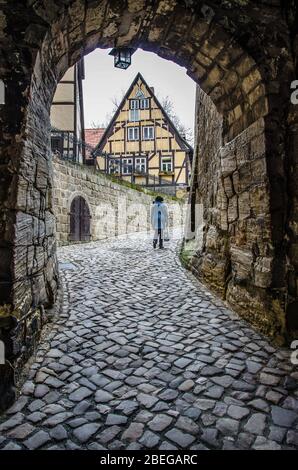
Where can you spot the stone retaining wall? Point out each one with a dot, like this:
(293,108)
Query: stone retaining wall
(114,208)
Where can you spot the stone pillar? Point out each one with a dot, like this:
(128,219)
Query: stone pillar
(28,267)
(239,255)
(292,224)
(11,116)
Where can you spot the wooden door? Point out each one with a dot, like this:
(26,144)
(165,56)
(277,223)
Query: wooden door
(79,220)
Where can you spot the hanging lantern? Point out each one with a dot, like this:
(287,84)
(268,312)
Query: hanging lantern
(122,56)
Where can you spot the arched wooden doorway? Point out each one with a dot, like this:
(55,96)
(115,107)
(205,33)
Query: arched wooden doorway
(79,220)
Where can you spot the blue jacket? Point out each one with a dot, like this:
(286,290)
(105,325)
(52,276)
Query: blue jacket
(159,215)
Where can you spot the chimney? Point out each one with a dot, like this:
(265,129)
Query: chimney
(152,89)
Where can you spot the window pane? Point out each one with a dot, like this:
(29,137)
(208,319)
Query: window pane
(140,165)
(134,115)
(134,104)
(148,132)
(144,104)
(114,166)
(126,165)
(166,164)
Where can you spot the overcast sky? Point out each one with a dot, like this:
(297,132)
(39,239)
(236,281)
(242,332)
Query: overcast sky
(103,82)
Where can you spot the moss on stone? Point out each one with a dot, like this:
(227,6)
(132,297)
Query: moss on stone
(186,253)
(5,311)
(139,188)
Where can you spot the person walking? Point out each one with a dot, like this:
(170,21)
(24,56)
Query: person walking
(159,220)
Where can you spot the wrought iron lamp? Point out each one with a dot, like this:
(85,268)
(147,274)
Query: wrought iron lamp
(122,56)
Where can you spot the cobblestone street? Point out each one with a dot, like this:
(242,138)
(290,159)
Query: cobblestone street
(143,356)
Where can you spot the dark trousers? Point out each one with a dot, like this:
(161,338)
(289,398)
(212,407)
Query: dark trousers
(158,236)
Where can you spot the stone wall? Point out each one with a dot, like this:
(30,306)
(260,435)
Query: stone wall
(234,254)
(114,208)
(229,49)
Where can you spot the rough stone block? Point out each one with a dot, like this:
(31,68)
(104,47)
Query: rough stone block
(244,205)
(242,261)
(250,81)
(228,161)
(233,209)
(228,186)
(263,271)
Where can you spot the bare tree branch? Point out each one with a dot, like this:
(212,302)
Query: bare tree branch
(185,131)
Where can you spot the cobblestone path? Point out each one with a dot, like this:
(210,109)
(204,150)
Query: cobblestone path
(143,356)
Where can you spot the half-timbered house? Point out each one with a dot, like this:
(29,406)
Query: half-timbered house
(67,116)
(142,145)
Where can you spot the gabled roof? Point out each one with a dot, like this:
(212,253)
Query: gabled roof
(92,137)
(108,130)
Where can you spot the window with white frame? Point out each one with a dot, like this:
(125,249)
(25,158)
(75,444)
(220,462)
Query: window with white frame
(127,166)
(144,104)
(134,104)
(148,132)
(114,166)
(132,133)
(167,164)
(140,165)
(134,115)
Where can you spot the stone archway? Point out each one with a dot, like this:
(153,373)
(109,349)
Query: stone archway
(246,73)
